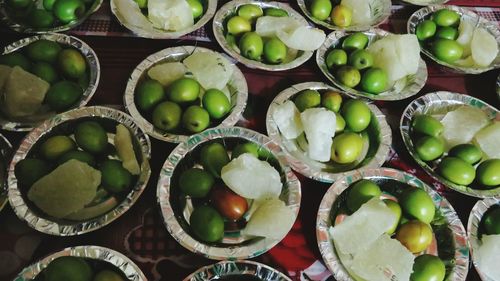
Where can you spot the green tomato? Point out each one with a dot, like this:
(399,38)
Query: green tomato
(374,80)
(456,170)
(425,30)
(428,268)
(415,235)
(447,50)
(429,148)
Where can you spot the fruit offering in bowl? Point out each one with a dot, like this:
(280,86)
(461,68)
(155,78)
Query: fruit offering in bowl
(44,75)
(384,224)
(265,35)
(162,20)
(326,133)
(353,15)
(83,263)
(80,171)
(181,91)
(42,16)
(484,235)
(454,138)
(213,202)
(241,270)
(457,38)
(373,64)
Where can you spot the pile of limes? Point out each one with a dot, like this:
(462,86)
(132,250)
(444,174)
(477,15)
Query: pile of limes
(183,106)
(63,67)
(352,65)
(70,268)
(462,164)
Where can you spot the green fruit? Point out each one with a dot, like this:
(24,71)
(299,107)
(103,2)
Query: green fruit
(467,152)
(196,183)
(360,193)
(275,12)
(19,4)
(321,9)
(429,148)
(275,51)
(207,224)
(29,170)
(184,90)
(195,119)
(232,42)
(341,16)
(72,63)
(108,275)
(68,268)
(48,4)
(148,94)
(447,32)
(416,236)
(361,59)
(247,147)
(348,75)
(238,25)
(43,50)
(447,50)
(45,71)
(374,80)
(68,10)
(216,103)
(416,203)
(16,59)
(213,157)
(340,123)
(427,125)
(251,45)
(115,178)
(336,58)
(63,95)
(346,147)
(331,100)
(250,12)
(196,7)
(491,221)
(307,99)
(41,19)
(456,170)
(55,146)
(357,115)
(396,209)
(91,137)
(81,156)
(488,172)
(426,30)
(355,41)
(428,268)
(143,4)
(445,17)
(167,116)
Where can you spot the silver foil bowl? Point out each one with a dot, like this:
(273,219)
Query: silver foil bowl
(93,66)
(126,266)
(315,170)
(425,2)
(425,13)
(236,268)
(439,103)
(473,226)
(15,25)
(328,208)
(380,10)
(108,117)
(230,8)
(211,6)
(403,88)
(232,246)
(5,153)
(237,85)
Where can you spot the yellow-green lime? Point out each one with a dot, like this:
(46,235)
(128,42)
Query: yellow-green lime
(72,63)
(307,99)
(216,103)
(63,95)
(196,182)
(45,71)
(247,147)
(115,178)
(91,137)
(148,94)
(360,193)
(43,50)
(55,146)
(68,268)
(207,224)
(213,157)
(196,7)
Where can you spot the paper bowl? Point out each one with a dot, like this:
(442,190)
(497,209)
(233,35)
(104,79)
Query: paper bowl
(235,268)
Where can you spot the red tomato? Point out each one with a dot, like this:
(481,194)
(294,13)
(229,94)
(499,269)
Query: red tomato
(229,204)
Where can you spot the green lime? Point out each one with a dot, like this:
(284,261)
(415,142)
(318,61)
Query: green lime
(48,4)
(488,172)
(447,32)
(374,80)
(108,275)
(41,18)
(429,148)
(331,100)
(72,63)
(167,116)
(467,152)
(361,192)
(336,58)
(55,146)
(91,137)
(396,209)
(196,182)
(307,99)
(84,81)
(148,94)
(207,224)
(355,41)
(196,7)
(447,50)
(19,4)
(115,178)
(275,51)
(247,147)
(29,170)
(195,119)
(348,75)
(43,50)
(275,12)
(45,71)
(428,267)
(79,155)
(184,90)
(68,10)
(491,221)
(251,45)
(426,30)
(213,157)
(445,17)
(357,115)
(68,268)
(416,203)
(15,59)
(216,103)
(456,170)
(63,95)
(250,12)
(427,125)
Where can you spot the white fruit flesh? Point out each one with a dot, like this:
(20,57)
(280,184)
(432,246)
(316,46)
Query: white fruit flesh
(171,15)
(268,26)
(211,70)
(461,124)
(125,150)
(361,11)
(488,139)
(287,118)
(319,126)
(465,31)
(167,72)
(302,38)
(129,11)
(273,219)
(484,47)
(487,256)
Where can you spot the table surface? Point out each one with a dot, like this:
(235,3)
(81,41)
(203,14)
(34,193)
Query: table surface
(140,233)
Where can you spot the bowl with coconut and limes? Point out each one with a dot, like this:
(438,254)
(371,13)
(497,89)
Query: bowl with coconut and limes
(79,171)
(241,270)
(213,203)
